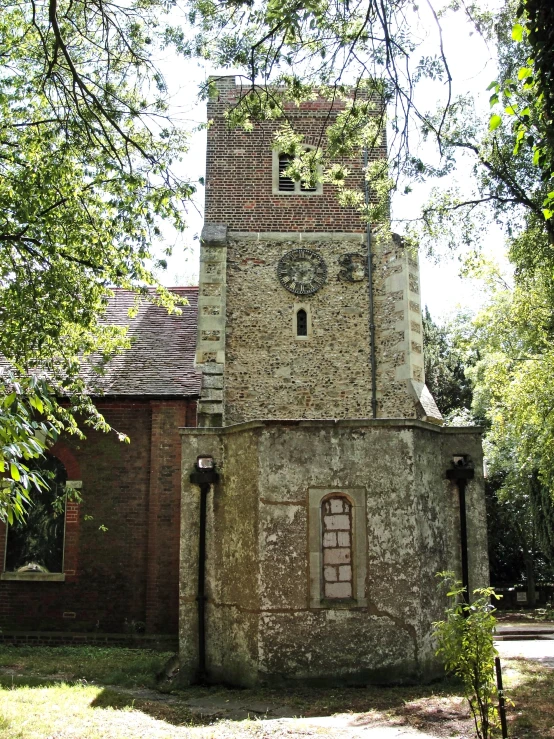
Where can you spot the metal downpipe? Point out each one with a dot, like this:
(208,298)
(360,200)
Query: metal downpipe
(372,358)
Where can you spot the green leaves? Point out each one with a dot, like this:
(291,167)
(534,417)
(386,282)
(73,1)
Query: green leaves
(517,32)
(494,122)
(23,438)
(86,181)
(513,383)
(465,642)
(85,178)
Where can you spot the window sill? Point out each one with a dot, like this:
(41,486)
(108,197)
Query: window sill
(34,576)
(332,604)
(298,193)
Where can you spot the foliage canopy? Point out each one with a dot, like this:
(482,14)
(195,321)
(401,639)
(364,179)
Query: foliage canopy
(86,179)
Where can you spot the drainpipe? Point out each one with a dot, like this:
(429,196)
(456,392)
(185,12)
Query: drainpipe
(460,473)
(204,475)
(370,296)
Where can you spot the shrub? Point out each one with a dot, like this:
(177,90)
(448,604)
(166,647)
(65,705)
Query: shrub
(465,642)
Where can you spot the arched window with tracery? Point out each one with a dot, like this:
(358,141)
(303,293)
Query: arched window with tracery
(337,531)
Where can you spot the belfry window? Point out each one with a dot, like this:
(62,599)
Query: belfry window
(282,183)
(36,544)
(338,547)
(286,184)
(337,529)
(301,322)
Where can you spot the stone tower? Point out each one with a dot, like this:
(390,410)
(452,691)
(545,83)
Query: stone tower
(333,510)
(260,230)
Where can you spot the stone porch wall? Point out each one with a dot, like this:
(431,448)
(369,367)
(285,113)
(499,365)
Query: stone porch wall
(263,624)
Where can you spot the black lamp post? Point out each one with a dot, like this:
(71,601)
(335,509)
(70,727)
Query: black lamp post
(204,475)
(461,472)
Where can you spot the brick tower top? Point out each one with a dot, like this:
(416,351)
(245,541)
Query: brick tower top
(242,172)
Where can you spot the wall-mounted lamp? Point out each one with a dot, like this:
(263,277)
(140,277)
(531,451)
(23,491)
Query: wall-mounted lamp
(204,472)
(461,468)
(203,475)
(460,472)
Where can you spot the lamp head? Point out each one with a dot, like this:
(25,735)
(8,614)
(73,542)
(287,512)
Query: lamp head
(205,463)
(204,472)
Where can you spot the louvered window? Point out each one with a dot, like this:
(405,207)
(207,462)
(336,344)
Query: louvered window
(286,184)
(305,187)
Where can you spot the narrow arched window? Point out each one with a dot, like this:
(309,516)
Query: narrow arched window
(336,519)
(301,322)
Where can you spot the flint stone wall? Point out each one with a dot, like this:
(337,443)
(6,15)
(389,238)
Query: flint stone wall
(270,373)
(262,622)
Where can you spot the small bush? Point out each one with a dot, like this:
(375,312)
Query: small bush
(465,642)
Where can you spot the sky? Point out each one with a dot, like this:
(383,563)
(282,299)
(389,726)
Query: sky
(472,69)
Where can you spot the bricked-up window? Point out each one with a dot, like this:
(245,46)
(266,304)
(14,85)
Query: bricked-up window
(301,322)
(36,544)
(336,512)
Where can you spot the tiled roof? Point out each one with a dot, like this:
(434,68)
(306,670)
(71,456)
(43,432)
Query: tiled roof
(160,360)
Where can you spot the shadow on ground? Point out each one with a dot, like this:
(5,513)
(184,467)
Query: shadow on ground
(531,709)
(437,708)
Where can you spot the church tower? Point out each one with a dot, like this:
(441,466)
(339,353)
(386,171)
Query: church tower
(284,325)
(333,507)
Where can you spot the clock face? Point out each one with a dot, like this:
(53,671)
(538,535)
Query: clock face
(302,271)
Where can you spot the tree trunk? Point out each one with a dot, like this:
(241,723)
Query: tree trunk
(530,572)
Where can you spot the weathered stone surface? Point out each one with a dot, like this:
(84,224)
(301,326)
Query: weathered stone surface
(337,522)
(214,234)
(213,369)
(212,381)
(324,535)
(336,646)
(261,623)
(338,590)
(336,556)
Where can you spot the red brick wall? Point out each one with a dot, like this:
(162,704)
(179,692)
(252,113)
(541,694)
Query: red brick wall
(239,174)
(128,573)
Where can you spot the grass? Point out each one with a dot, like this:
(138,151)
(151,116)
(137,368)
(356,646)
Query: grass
(531,689)
(62,711)
(113,666)
(47,693)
